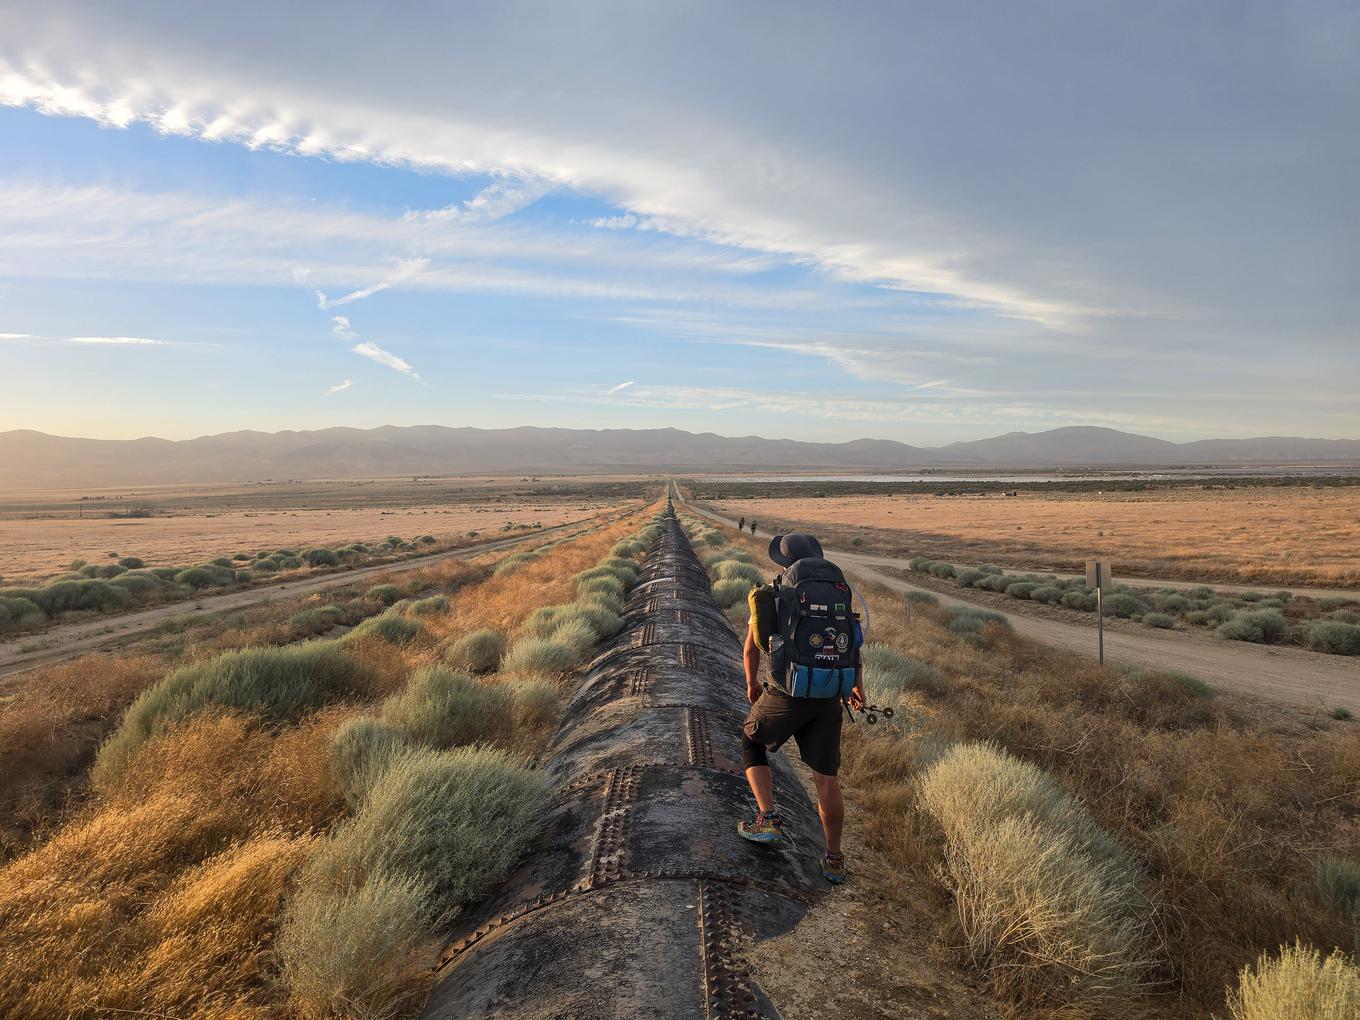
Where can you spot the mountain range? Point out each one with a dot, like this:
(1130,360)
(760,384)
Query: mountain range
(31,459)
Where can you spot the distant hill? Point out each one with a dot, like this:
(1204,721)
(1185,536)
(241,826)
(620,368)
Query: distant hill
(36,460)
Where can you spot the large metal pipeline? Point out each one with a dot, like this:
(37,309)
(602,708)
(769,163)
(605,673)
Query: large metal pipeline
(639,896)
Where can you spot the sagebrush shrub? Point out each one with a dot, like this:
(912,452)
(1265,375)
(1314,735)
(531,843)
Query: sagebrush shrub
(384,593)
(1021,589)
(968,576)
(1047,900)
(736,570)
(477,652)
(1299,984)
(729,593)
(887,672)
(1263,626)
(969,622)
(361,750)
(1338,883)
(391,626)
(276,683)
(537,703)
(1049,594)
(1123,605)
(1160,621)
(455,822)
(352,952)
(320,557)
(1333,636)
(440,708)
(540,655)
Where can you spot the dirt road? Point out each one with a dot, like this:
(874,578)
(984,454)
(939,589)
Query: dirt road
(66,641)
(1293,675)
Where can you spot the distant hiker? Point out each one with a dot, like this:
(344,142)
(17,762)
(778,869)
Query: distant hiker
(805,621)
(741,524)
(753,527)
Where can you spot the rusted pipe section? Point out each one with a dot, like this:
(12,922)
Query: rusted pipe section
(638,899)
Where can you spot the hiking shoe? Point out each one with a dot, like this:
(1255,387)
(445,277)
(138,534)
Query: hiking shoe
(767,828)
(833,868)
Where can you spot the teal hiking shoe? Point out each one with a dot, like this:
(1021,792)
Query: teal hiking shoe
(767,828)
(833,868)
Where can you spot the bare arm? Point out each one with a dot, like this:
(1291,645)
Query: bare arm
(750,657)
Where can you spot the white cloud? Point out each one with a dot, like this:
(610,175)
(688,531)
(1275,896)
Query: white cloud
(341,328)
(339,387)
(373,352)
(17,336)
(404,271)
(496,200)
(132,341)
(625,222)
(622,386)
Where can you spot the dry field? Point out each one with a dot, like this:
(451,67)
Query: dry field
(1266,535)
(42,532)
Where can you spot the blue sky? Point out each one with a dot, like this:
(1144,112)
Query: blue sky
(912,222)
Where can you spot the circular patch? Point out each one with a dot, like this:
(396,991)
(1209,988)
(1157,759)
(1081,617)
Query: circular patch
(815,640)
(842,642)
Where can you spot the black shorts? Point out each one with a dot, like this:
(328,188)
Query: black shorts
(815,723)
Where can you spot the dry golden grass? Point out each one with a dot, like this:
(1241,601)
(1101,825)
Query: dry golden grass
(34,549)
(1266,535)
(1225,811)
(164,891)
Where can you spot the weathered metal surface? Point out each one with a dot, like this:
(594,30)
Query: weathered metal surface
(639,894)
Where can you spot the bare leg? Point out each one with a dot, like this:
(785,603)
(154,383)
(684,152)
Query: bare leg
(762,785)
(830,808)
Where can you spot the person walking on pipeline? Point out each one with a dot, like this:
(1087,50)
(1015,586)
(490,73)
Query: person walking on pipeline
(741,525)
(805,621)
(753,527)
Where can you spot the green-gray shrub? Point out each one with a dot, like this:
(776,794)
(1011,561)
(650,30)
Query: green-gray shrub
(456,821)
(279,684)
(477,652)
(429,604)
(540,655)
(920,598)
(1021,589)
(945,570)
(21,613)
(391,626)
(538,703)
(1161,621)
(1049,594)
(315,620)
(608,585)
(384,593)
(1123,605)
(320,557)
(361,750)
(268,565)
(1039,887)
(542,620)
(969,622)
(602,622)
(440,708)
(1264,626)
(1333,637)
(966,577)
(994,582)
(1338,883)
(348,951)
(1170,602)
(887,672)
(166,573)
(735,570)
(729,593)
(734,553)
(920,563)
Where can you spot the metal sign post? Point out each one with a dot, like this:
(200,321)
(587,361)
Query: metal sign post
(1098,577)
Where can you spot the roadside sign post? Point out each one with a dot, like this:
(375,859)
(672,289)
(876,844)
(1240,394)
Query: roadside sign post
(1098,577)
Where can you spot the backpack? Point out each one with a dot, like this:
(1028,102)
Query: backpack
(814,651)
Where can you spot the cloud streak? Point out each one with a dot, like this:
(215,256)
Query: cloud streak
(374,353)
(622,386)
(339,387)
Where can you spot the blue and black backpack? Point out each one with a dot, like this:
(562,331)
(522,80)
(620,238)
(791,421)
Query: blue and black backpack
(814,652)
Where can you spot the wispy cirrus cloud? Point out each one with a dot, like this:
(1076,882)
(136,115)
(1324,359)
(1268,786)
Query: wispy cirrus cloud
(495,201)
(126,341)
(621,387)
(341,328)
(339,387)
(373,352)
(404,271)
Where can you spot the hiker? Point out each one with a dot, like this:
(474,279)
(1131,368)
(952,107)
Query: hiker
(741,524)
(804,620)
(753,527)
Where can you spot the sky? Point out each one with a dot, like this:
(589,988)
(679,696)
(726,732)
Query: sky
(919,221)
